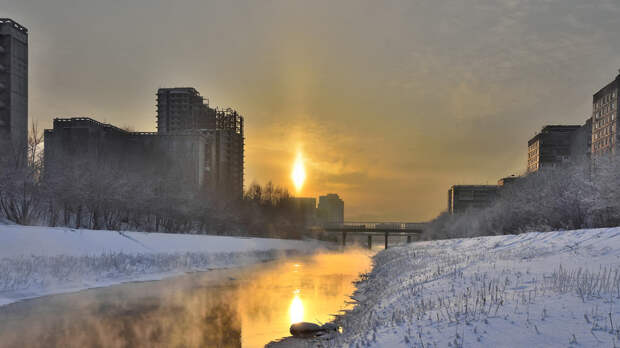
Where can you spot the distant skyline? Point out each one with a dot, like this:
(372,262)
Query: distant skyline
(390,103)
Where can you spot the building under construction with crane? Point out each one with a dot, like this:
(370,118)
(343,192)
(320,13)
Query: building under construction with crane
(201,147)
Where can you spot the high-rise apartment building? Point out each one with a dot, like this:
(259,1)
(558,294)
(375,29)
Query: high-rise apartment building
(182,109)
(13,88)
(556,144)
(604,119)
(229,149)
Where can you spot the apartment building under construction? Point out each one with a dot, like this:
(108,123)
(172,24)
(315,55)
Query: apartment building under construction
(200,147)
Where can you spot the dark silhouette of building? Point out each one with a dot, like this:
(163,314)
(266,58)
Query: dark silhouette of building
(200,147)
(582,142)
(230,153)
(182,109)
(604,119)
(307,207)
(467,197)
(13,88)
(86,143)
(331,209)
(557,144)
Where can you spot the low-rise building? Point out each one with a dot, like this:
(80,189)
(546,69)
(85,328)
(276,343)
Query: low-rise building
(462,198)
(81,143)
(331,209)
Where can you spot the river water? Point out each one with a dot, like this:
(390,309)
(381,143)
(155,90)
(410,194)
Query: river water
(245,307)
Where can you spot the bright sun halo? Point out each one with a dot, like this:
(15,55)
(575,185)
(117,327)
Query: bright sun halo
(299,173)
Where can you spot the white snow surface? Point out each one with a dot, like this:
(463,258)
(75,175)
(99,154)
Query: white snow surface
(37,261)
(553,289)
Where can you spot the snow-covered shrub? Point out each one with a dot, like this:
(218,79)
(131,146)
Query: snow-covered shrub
(555,198)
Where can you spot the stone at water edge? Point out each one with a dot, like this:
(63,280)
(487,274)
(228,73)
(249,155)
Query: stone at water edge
(305,329)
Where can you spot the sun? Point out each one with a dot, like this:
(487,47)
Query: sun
(299,173)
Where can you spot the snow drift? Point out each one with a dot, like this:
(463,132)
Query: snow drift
(536,289)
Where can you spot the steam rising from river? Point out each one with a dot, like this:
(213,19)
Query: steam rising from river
(228,308)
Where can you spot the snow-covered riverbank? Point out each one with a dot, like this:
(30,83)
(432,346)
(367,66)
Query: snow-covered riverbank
(554,289)
(36,261)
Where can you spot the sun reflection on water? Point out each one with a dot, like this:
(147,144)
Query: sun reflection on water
(221,308)
(296,309)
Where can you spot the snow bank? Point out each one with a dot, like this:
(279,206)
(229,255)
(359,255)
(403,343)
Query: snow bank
(36,261)
(536,289)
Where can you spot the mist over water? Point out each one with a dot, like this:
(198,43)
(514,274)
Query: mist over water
(245,307)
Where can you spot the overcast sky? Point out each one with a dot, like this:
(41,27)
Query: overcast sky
(391,102)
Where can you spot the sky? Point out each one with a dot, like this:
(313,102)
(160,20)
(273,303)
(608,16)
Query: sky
(389,102)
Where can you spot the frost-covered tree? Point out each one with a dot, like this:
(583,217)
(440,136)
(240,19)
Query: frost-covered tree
(569,196)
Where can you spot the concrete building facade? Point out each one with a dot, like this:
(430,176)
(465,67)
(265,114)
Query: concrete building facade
(604,119)
(331,209)
(13,88)
(557,144)
(182,109)
(462,198)
(90,144)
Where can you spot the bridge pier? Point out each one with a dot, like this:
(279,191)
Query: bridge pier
(344,238)
(386,240)
(370,241)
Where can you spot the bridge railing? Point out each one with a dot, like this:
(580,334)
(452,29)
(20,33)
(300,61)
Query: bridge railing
(385,229)
(376,225)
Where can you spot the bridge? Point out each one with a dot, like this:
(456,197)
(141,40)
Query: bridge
(370,229)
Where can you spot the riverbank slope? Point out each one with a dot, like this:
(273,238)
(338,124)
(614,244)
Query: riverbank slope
(37,261)
(553,289)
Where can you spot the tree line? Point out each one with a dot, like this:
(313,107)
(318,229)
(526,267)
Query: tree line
(97,193)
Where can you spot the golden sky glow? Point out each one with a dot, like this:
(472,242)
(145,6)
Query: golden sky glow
(389,115)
